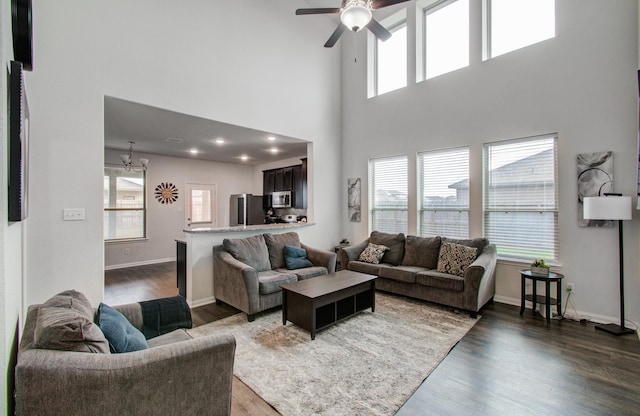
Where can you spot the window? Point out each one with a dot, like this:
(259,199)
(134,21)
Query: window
(443,178)
(124,204)
(388,194)
(446,37)
(521,198)
(387,61)
(514,24)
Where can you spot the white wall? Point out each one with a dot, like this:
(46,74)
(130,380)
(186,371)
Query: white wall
(11,234)
(581,84)
(243,62)
(166,222)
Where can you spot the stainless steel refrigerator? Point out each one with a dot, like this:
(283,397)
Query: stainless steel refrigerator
(246,209)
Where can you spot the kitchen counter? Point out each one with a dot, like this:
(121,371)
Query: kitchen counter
(243,228)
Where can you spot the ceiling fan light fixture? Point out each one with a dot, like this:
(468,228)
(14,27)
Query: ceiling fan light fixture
(356,14)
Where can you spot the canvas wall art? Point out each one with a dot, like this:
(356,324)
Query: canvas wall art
(353,196)
(595,178)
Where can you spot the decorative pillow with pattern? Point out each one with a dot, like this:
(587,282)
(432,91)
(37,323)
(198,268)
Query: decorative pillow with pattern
(373,253)
(455,258)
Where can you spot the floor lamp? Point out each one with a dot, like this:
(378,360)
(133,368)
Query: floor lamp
(612,207)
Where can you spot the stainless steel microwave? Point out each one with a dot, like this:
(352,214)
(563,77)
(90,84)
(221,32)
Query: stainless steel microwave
(281,199)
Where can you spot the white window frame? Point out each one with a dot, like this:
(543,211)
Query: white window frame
(392,24)
(455,170)
(142,209)
(539,240)
(487,41)
(423,8)
(400,185)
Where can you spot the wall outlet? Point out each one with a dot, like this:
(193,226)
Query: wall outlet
(571,288)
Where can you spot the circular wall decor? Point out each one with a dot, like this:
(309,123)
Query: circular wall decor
(22,33)
(166,193)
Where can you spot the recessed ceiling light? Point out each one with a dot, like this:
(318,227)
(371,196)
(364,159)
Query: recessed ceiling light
(244,157)
(220,141)
(274,150)
(193,151)
(271,139)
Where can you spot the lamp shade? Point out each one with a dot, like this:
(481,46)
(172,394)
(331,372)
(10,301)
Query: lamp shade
(607,207)
(355,16)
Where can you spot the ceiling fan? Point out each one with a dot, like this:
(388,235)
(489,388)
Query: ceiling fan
(355,15)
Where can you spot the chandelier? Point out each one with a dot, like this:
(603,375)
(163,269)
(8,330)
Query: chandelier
(127,161)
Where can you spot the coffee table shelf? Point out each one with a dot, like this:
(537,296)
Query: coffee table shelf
(322,301)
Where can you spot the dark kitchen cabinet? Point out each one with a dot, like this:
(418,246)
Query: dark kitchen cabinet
(291,178)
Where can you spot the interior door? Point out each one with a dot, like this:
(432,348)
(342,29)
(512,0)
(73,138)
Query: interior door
(200,205)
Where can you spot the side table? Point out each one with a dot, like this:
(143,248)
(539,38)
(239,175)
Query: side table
(547,300)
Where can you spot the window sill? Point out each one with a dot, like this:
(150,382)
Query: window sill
(127,240)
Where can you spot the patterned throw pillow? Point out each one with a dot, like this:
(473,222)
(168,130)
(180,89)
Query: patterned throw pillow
(373,253)
(455,258)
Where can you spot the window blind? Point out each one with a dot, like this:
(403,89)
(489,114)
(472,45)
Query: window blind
(443,180)
(521,197)
(388,194)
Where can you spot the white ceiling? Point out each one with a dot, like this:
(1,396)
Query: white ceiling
(150,127)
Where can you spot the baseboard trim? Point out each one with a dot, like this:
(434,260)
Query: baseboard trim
(201,302)
(139,263)
(577,315)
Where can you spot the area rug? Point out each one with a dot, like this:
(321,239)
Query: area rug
(369,364)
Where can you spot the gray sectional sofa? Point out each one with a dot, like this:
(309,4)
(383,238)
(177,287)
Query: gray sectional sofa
(65,367)
(248,272)
(410,267)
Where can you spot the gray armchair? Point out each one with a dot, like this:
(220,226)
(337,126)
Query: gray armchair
(176,375)
(248,272)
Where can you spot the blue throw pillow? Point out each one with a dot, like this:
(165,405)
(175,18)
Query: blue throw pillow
(296,258)
(121,334)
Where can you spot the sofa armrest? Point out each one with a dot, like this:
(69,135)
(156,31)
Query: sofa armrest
(479,278)
(188,377)
(321,257)
(351,253)
(235,282)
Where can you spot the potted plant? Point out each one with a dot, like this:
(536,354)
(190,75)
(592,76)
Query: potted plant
(539,267)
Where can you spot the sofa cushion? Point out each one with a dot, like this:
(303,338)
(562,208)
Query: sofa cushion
(455,258)
(372,253)
(395,242)
(405,274)
(252,251)
(269,281)
(65,322)
(368,268)
(275,246)
(439,280)
(296,258)
(478,243)
(421,251)
(121,334)
(309,272)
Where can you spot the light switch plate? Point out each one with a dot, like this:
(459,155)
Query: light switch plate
(73,214)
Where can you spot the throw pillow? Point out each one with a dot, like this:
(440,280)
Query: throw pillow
(479,243)
(65,322)
(252,251)
(275,246)
(121,334)
(455,258)
(296,258)
(395,244)
(373,253)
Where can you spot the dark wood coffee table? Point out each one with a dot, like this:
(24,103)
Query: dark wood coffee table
(319,302)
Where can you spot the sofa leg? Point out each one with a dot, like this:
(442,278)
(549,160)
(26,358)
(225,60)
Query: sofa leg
(251,317)
(219,302)
(474,315)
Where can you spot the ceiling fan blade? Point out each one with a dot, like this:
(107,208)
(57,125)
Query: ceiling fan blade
(317,11)
(377,29)
(384,3)
(335,36)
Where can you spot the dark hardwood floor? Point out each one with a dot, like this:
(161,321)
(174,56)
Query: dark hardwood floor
(506,365)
